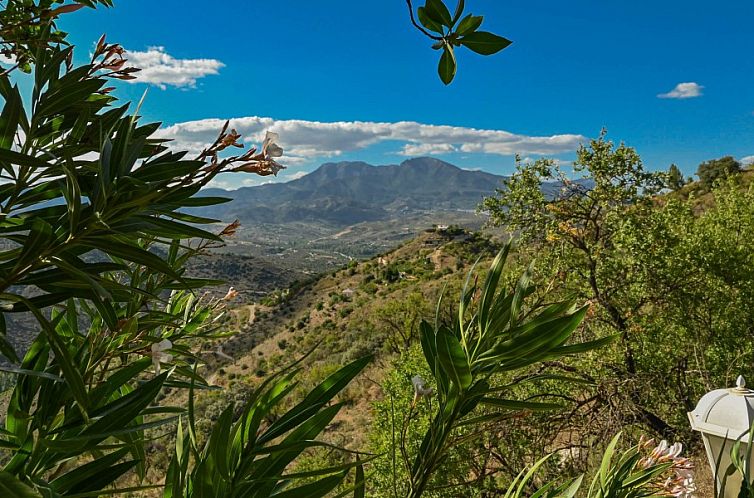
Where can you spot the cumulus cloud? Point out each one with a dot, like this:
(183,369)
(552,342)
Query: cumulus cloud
(228,181)
(162,69)
(294,176)
(418,149)
(688,90)
(306,141)
(747,161)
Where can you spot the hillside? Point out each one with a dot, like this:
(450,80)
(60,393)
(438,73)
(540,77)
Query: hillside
(342,316)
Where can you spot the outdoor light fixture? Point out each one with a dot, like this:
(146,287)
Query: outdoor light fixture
(724,416)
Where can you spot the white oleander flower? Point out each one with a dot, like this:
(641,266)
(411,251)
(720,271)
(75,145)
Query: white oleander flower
(420,388)
(270,147)
(681,484)
(159,355)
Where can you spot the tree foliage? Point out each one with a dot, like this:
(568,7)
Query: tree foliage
(671,280)
(715,169)
(676,179)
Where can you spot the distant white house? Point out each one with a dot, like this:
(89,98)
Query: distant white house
(442,228)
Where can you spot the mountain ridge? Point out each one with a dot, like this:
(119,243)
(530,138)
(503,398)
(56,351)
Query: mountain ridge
(350,192)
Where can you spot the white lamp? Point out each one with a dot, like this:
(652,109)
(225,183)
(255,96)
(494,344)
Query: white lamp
(723,416)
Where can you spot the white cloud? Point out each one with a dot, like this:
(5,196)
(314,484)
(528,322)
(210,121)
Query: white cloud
(306,141)
(162,69)
(228,181)
(294,176)
(414,149)
(747,161)
(688,90)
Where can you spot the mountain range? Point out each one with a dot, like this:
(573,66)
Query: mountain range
(348,193)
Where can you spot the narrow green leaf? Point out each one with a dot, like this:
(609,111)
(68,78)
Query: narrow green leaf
(316,399)
(200,201)
(316,489)
(453,358)
(90,439)
(31,373)
(429,346)
(607,459)
(63,357)
(72,194)
(573,488)
(11,157)
(360,484)
(131,252)
(11,487)
(39,237)
(585,346)
(490,287)
(305,432)
(6,348)
(460,7)
(219,442)
(94,486)
(64,97)
(157,171)
(9,118)
(70,480)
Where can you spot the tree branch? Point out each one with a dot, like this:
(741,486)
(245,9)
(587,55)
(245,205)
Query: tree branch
(419,26)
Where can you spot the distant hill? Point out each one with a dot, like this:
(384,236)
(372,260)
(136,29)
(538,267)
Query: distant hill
(348,193)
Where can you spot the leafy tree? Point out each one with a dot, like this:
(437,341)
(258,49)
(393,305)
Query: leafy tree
(400,320)
(698,293)
(711,171)
(669,275)
(577,229)
(676,179)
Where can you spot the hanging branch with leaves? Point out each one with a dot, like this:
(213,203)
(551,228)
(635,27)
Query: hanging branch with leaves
(451,31)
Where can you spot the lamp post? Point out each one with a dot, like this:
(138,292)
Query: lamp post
(723,416)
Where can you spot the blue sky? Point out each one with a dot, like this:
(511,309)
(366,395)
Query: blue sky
(299,66)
